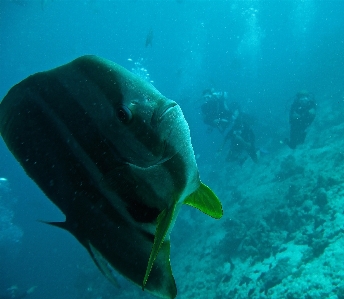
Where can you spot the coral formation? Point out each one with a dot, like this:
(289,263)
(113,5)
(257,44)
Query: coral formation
(282,235)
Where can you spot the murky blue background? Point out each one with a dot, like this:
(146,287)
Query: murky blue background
(261,52)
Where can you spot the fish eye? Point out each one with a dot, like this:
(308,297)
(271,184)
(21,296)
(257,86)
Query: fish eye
(124,114)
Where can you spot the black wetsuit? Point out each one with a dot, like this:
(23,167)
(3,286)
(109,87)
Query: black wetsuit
(242,141)
(302,114)
(215,114)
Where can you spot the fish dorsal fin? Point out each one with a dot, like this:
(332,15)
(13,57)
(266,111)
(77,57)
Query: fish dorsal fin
(206,201)
(163,223)
(102,264)
(60,224)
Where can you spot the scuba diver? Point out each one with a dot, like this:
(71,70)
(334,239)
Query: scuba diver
(301,115)
(216,111)
(242,140)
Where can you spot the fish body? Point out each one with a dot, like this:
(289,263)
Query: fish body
(115,156)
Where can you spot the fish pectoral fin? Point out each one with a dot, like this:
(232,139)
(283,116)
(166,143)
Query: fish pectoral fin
(102,264)
(205,200)
(163,223)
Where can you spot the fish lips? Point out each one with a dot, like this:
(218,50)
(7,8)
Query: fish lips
(167,109)
(171,123)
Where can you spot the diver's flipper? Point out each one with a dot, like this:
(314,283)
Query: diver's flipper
(206,201)
(163,223)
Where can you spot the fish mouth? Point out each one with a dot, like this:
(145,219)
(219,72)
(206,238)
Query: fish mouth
(161,112)
(166,109)
(162,122)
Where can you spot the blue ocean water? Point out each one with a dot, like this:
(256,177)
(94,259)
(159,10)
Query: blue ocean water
(261,52)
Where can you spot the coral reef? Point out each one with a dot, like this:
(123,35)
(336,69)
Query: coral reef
(282,235)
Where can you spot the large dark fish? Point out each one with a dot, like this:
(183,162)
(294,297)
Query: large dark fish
(115,156)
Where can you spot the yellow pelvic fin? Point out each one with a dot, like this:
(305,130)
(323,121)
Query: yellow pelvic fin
(163,223)
(206,201)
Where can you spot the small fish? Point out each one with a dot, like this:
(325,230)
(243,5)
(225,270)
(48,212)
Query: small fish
(44,4)
(115,156)
(149,38)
